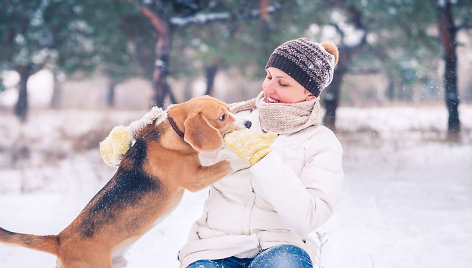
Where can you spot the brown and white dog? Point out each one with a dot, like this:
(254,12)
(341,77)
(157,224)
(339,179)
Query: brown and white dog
(148,184)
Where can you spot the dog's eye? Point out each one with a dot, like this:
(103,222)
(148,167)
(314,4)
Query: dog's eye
(222,118)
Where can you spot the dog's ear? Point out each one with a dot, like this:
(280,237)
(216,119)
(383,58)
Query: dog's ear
(200,134)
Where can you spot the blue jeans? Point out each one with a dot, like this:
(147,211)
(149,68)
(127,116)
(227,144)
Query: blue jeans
(283,256)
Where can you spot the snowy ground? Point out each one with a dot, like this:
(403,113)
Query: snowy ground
(407,199)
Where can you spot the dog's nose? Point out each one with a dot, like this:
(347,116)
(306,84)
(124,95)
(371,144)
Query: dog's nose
(248,124)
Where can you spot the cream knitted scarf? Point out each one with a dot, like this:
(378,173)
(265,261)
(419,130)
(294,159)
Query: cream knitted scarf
(282,118)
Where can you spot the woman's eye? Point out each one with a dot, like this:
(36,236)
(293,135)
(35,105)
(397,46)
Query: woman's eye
(222,118)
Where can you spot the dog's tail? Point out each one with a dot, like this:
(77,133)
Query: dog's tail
(46,243)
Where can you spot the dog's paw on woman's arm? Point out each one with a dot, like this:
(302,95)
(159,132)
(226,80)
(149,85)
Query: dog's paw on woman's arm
(227,166)
(115,145)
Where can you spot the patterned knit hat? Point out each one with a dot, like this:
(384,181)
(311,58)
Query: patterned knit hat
(309,63)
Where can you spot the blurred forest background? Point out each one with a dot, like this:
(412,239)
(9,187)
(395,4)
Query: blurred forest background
(132,54)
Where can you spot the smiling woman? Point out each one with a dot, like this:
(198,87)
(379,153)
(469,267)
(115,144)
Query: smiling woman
(281,195)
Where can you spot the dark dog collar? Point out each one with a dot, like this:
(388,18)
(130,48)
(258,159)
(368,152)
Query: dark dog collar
(175,127)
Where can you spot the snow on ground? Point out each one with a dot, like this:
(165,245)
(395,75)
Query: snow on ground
(406,202)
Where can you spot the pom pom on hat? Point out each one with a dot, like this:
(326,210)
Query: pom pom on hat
(331,49)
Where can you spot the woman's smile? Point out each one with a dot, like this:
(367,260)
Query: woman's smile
(271,100)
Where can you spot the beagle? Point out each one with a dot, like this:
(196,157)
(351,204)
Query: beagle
(148,184)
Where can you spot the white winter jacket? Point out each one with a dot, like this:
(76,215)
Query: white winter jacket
(279,200)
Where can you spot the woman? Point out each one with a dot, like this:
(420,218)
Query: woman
(262,214)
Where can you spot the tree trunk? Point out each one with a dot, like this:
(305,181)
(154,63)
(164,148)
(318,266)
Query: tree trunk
(346,54)
(111,94)
(331,98)
(56,93)
(447,33)
(162,56)
(21,107)
(210,73)
(390,92)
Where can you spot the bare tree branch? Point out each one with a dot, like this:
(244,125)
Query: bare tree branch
(363,71)
(338,29)
(464,25)
(201,19)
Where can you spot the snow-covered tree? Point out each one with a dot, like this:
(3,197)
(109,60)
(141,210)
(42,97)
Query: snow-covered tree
(169,16)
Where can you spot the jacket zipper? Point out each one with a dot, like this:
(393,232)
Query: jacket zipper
(251,209)
(247,228)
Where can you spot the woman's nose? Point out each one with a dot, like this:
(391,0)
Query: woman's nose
(270,87)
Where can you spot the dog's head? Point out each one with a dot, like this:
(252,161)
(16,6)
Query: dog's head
(204,122)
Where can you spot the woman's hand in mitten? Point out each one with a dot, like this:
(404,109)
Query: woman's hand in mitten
(248,145)
(115,145)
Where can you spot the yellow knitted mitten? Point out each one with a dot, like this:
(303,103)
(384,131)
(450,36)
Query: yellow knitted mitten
(248,145)
(115,145)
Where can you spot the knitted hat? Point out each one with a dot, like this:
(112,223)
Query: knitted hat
(309,63)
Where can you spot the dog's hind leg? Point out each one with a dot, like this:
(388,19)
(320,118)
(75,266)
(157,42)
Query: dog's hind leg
(118,260)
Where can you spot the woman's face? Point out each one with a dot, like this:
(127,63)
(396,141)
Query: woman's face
(280,87)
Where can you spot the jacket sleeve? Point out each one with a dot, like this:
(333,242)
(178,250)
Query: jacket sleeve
(306,201)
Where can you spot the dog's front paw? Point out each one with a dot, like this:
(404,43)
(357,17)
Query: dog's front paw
(115,145)
(227,166)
